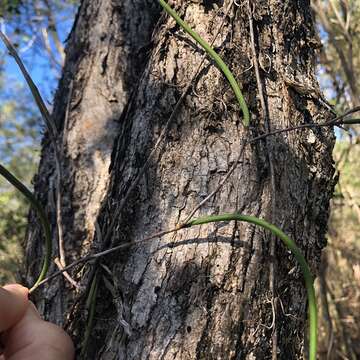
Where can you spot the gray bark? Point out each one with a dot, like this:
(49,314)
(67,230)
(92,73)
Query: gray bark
(96,83)
(202,293)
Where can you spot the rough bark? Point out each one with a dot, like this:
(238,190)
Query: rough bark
(202,293)
(105,52)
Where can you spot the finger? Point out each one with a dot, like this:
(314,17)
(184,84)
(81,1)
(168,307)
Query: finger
(13,305)
(32,339)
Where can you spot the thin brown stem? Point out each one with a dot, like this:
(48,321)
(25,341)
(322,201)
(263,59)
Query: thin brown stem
(88,258)
(66,274)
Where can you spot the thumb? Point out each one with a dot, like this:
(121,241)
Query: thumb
(13,304)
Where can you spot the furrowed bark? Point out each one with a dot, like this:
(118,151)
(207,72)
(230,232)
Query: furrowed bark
(202,293)
(105,56)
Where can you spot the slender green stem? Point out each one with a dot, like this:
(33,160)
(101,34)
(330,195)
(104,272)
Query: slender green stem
(42,216)
(309,281)
(34,90)
(22,188)
(220,63)
(91,307)
(351,121)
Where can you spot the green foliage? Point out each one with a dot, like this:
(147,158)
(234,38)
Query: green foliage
(343,258)
(9,7)
(19,131)
(349,166)
(12,228)
(12,217)
(346,208)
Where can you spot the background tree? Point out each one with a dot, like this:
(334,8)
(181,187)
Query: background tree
(338,24)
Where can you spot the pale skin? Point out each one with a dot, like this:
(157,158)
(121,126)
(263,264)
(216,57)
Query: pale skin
(24,335)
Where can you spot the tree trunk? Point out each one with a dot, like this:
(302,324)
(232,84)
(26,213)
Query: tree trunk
(105,58)
(210,292)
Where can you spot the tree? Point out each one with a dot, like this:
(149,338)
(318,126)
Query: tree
(338,278)
(218,291)
(338,21)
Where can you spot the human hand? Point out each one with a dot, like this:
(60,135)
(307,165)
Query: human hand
(24,335)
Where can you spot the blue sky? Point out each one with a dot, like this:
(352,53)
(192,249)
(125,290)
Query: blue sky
(35,59)
(16,144)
